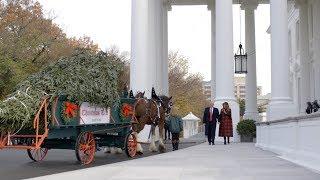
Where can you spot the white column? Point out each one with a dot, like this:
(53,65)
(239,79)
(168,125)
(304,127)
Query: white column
(159,40)
(251,77)
(140,78)
(304,54)
(143,51)
(146,47)
(165,76)
(224,60)
(211,7)
(281,104)
(153,33)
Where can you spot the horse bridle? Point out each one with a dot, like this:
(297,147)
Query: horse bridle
(148,110)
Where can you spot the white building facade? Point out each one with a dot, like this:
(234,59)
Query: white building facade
(295,67)
(293,136)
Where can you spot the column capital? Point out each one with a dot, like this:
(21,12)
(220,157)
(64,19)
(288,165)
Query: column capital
(298,3)
(249,5)
(167,4)
(211,5)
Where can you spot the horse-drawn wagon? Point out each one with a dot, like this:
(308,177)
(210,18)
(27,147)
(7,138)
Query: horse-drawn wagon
(61,124)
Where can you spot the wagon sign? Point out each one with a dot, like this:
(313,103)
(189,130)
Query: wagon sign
(90,114)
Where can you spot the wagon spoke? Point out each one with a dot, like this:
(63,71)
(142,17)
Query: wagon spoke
(85,148)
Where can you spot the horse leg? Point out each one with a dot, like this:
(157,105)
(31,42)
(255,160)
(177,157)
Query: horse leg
(162,147)
(107,150)
(153,147)
(118,150)
(139,147)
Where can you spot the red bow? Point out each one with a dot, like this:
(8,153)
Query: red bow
(127,110)
(71,109)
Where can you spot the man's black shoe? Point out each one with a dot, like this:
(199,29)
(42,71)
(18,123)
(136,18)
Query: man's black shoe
(212,143)
(209,143)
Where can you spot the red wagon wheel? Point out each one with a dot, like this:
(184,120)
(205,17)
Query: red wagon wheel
(131,145)
(37,154)
(85,148)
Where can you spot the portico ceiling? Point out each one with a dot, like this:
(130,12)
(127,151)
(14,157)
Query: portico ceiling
(205,2)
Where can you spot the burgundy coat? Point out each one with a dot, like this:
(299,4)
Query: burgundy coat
(225,128)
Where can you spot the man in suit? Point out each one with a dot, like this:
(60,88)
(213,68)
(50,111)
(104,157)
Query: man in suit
(210,118)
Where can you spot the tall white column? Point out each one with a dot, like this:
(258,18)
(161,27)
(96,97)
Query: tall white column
(211,7)
(153,44)
(143,51)
(165,76)
(304,54)
(251,111)
(146,46)
(140,72)
(159,40)
(224,60)
(281,104)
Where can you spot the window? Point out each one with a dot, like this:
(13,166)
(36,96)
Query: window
(298,35)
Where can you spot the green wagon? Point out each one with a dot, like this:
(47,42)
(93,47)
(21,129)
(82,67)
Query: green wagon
(71,133)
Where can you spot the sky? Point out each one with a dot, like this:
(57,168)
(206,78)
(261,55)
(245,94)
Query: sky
(108,23)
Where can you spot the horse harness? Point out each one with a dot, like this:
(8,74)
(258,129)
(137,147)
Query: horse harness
(149,102)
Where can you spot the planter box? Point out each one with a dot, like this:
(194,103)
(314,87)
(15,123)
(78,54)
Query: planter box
(246,138)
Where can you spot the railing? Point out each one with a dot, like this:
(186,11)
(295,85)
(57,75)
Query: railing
(27,141)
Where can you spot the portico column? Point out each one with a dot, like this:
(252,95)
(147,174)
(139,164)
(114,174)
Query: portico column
(304,54)
(281,104)
(145,42)
(159,40)
(211,7)
(224,60)
(141,78)
(165,75)
(251,111)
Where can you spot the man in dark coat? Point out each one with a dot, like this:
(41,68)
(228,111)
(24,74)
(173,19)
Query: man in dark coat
(210,118)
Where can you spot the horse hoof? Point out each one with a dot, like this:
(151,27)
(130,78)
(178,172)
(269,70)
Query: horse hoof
(162,149)
(153,150)
(107,150)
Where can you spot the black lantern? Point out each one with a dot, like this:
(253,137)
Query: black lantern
(240,61)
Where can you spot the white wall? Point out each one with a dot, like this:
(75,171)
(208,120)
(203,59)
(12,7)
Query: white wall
(295,139)
(314,52)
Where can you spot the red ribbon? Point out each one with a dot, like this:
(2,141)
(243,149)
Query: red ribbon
(71,109)
(127,110)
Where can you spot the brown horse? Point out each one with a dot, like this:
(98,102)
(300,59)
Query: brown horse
(151,112)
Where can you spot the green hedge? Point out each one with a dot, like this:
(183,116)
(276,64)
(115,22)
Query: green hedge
(247,128)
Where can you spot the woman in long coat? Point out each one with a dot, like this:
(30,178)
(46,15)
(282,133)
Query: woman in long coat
(225,128)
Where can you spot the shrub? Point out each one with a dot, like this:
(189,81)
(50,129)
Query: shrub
(247,128)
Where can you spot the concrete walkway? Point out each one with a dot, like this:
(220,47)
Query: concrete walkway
(201,162)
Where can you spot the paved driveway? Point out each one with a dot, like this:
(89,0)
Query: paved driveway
(201,162)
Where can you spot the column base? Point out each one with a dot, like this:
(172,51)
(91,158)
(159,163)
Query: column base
(234,106)
(251,115)
(280,109)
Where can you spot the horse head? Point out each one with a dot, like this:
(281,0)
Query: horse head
(140,95)
(167,103)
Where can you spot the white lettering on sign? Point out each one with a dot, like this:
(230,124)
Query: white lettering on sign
(91,114)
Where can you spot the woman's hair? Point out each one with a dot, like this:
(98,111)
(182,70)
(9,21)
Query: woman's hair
(225,104)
